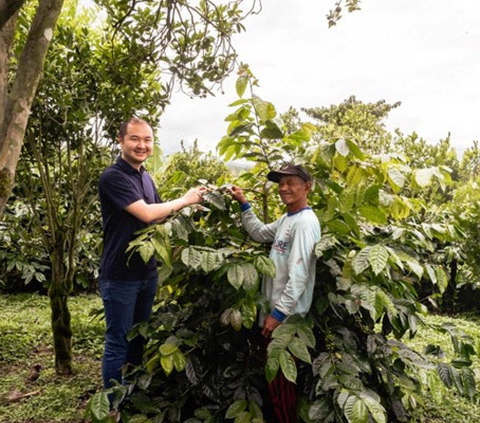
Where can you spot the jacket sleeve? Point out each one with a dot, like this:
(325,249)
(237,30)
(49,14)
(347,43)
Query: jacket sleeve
(258,230)
(303,249)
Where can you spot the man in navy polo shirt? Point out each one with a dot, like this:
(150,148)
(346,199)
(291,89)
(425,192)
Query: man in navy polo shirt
(290,291)
(129,202)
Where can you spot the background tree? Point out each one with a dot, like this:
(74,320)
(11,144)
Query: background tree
(470,163)
(66,148)
(353,119)
(190,43)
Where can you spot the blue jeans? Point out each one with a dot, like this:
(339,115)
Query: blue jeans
(126,303)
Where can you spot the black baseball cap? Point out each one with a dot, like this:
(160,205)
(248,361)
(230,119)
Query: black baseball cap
(290,169)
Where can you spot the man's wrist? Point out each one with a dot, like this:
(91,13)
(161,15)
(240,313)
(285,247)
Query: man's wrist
(245,206)
(278,315)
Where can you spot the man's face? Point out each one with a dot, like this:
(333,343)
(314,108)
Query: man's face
(137,145)
(293,190)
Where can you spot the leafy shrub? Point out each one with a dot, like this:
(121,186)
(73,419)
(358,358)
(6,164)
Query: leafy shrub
(376,251)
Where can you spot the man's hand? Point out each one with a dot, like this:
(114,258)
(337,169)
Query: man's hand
(237,194)
(194,195)
(269,325)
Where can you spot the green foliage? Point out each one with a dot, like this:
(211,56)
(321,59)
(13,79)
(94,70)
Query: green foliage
(357,121)
(22,256)
(186,42)
(376,254)
(470,164)
(186,169)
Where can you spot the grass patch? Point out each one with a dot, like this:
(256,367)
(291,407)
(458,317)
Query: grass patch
(26,340)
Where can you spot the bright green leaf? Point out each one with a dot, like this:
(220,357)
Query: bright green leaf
(167,363)
(265,266)
(167,349)
(241,85)
(236,408)
(250,276)
(342,147)
(423,177)
(179,361)
(146,251)
(373,214)
(99,406)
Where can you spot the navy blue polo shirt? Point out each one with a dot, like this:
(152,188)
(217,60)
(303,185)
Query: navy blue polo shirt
(121,185)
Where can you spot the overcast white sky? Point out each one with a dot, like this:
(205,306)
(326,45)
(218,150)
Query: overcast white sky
(424,53)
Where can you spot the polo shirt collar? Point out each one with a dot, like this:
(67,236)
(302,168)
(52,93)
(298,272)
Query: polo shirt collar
(123,165)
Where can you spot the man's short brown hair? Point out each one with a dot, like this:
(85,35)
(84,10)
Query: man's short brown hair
(124,125)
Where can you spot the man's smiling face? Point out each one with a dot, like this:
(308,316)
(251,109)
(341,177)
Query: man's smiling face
(293,191)
(137,144)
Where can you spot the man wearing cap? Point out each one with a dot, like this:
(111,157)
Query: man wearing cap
(290,292)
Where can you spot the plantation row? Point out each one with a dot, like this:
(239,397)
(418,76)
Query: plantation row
(394,245)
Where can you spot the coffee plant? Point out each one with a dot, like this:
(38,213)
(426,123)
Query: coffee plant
(205,360)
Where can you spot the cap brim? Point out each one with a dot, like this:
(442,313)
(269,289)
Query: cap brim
(275,175)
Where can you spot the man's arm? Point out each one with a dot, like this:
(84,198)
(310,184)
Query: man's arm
(153,212)
(258,230)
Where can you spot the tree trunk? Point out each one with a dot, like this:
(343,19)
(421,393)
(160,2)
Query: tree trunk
(17,103)
(58,292)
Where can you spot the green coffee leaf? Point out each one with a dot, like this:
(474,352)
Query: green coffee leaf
(250,276)
(235,276)
(265,266)
(378,258)
(236,408)
(373,214)
(167,349)
(271,368)
(361,261)
(298,348)
(146,251)
(288,366)
(99,406)
(167,363)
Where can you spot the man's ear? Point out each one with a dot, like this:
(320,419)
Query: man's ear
(308,185)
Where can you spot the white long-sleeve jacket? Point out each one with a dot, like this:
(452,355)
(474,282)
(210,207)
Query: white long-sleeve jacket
(294,237)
